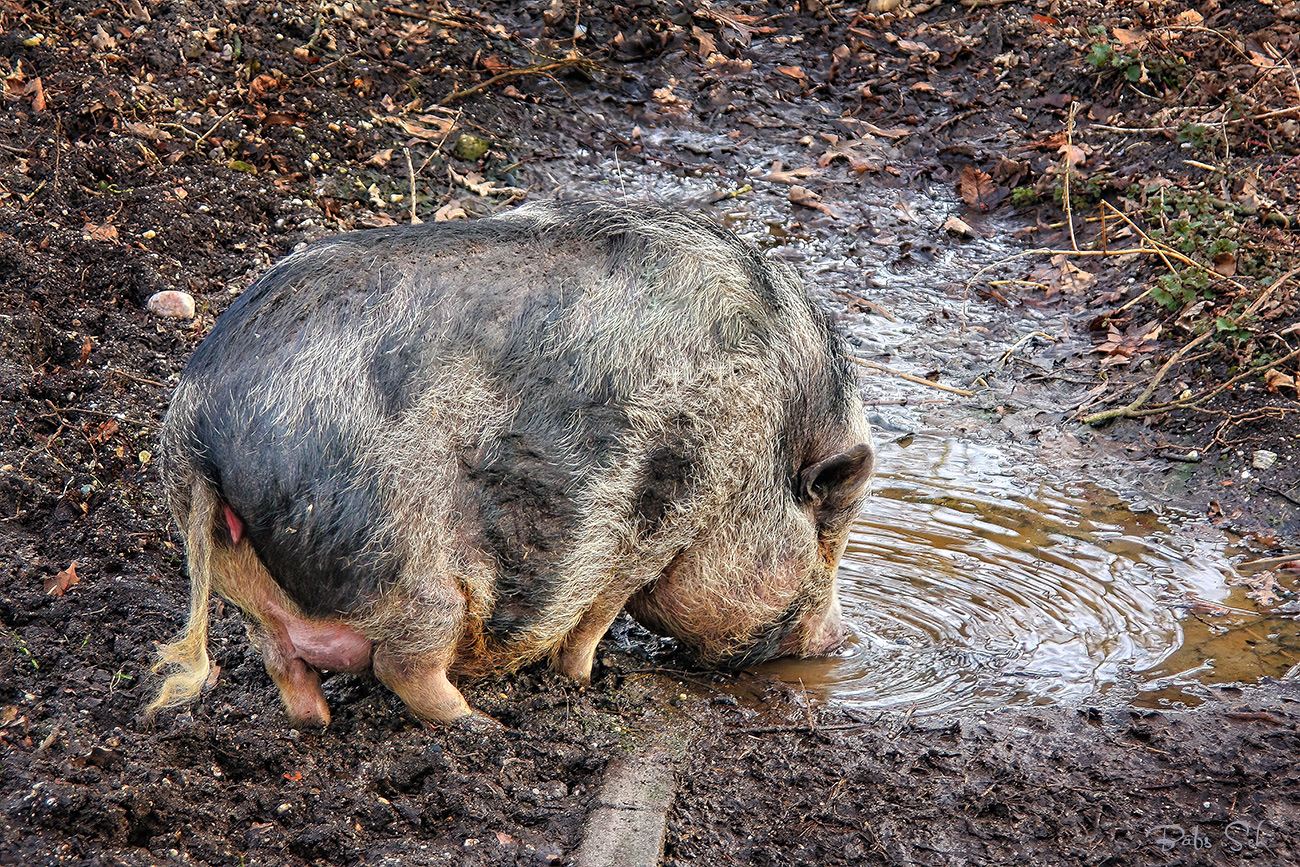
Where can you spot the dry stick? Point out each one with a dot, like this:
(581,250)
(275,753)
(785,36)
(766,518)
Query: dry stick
(1069,153)
(869,305)
(916,379)
(1196,400)
(536,69)
(410,172)
(1132,409)
(1006,356)
(1164,250)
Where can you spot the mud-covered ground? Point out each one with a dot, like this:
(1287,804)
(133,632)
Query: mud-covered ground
(184,145)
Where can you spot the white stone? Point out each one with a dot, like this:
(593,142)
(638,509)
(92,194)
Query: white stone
(171,304)
(1263,459)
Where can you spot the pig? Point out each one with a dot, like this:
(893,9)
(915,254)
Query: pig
(434,451)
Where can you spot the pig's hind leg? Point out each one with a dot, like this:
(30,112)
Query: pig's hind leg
(245,582)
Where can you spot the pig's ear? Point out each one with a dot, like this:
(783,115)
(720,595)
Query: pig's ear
(831,485)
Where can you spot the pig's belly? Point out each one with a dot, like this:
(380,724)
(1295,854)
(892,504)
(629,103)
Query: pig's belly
(325,644)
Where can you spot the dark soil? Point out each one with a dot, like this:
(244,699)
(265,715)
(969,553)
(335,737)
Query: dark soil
(185,145)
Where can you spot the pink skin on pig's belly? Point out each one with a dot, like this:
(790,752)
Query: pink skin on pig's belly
(323,644)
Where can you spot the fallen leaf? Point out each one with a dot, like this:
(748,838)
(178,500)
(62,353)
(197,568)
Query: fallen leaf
(851,152)
(381,158)
(1074,155)
(958,227)
(1189,18)
(1276,379)
(708,46)
(260,86)
(102,41)
(426,126)
(806,198)
(1264,588)
(147,132)
(450,211)
(869,128)
(1225,264)
(494,64)
(794,72)
(780,175)
(106,232)
(59,584)
(36,91)
(1128,37)
(979,190)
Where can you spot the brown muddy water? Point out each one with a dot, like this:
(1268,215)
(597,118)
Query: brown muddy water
(966,586)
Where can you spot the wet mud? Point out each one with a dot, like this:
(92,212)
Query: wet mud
(1042,610)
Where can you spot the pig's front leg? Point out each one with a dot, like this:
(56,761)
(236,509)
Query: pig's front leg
(578,651)
(421,682)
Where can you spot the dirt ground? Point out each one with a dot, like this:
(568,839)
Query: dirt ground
(184,145)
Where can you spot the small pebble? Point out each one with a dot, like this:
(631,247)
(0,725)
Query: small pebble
(172,304)
(1263,459)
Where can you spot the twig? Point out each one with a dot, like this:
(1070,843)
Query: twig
(410,173)
(1006,356)
(869,305)
(535,69)
(1266,563)
(916,379)
(198,141)
(1069,164)
(114,371)
(1132,409)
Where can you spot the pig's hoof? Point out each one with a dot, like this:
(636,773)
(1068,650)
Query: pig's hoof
(477,722)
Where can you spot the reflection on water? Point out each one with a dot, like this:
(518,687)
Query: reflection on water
(966,587)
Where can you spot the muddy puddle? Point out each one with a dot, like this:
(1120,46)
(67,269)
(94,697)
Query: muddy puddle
(968,585)
(988,569)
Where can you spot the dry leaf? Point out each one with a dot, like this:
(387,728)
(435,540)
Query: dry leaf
(852,152)
(979,190)
(450,211)
(780,175)
(381,158)
(1129,37)
(59,584)
(708,46)
(1189,18)
(958,227)
(1264,588)
(37,92)
(260,86)
(102,41)
(794,72)
(1225,264)
(1276,379)
(106,232)
(869,128)
(806,198)
(1074,155)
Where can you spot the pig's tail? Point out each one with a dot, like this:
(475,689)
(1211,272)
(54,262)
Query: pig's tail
(187,656)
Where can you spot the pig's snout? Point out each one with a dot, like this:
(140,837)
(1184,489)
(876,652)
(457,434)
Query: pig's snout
(821,633)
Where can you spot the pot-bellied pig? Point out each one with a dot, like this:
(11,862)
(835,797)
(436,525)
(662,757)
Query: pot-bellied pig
(455,447)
